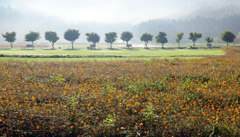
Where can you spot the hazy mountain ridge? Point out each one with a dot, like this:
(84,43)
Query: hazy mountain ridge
(218,12)
(22,24)
(207,20)
(206,25)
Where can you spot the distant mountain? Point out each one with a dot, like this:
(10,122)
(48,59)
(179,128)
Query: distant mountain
(209,21)
(22,24)
(219,12)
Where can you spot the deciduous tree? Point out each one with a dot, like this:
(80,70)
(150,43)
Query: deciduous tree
(32,36)
(10,37)
(51,37)
(209,40)
(161,38)
(93,37)
(146,37)
(71,35)
(126,36)
(110,37)
(228,36)
(194,36)
(179,37)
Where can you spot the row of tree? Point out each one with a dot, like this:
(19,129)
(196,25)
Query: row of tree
(72,35)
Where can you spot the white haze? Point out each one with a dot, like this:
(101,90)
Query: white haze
(111,11)
(99,16)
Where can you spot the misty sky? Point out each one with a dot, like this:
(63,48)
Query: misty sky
(111,11)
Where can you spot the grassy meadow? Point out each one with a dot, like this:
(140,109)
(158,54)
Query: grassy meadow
(202,44)
(112,52)
(81,52)
(153,97)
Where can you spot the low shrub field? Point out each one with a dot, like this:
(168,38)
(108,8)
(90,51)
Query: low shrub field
(199,97)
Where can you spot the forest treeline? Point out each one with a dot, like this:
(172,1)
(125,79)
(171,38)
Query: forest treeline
(208,26)
(93,38)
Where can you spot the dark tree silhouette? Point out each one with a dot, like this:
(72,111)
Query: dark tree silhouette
(126,36)
(71,35)
(32,36)
(161,38)
(209,40)
(179,37)
(10,37)
(110,37)
(194,37)
(51,37)
(93,37)
(228,36)
(146,37)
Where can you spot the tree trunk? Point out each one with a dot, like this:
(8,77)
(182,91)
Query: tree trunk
(11,45)
(110,45)
(32,44)
(193,44)
(146,44)
(52,45)
(163,45)
(127,45)
(227,43)
(178,44)
(72,45)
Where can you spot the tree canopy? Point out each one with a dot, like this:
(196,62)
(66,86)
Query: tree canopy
(93,37)
(228,36)
(126,36)
(32,36)
(194,36)
(71,35)
(110,37)
(10,37)
(161,38)
(209,40)
(51,37)
(179,37)
(146,37)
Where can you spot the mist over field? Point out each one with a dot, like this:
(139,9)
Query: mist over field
(119,68)
(210,18)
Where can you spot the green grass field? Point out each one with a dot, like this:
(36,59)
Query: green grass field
(201,44)
(108,54)
(115,51)
(102,52)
